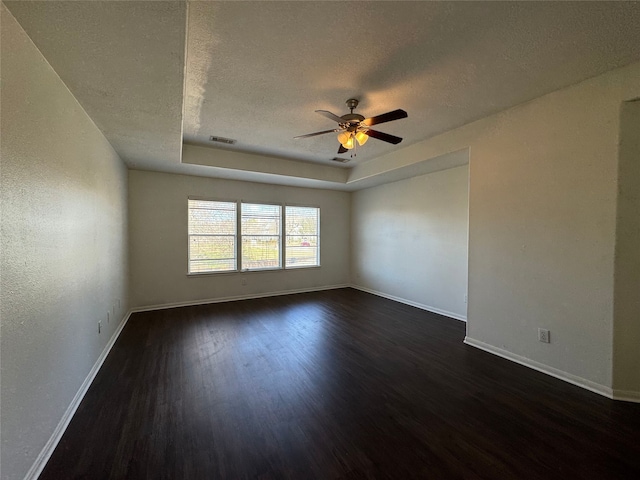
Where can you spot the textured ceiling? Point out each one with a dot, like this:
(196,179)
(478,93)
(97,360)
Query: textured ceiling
(124,63)
(256,71)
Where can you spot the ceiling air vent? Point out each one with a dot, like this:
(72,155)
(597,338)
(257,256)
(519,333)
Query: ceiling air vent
(228,141)
(340,160)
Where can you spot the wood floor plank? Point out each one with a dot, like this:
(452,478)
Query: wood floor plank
(338,384)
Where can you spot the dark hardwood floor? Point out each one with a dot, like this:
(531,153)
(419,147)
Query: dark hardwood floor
(332,385)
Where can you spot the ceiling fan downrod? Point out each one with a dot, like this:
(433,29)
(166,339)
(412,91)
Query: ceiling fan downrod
(352,120)
(352,103)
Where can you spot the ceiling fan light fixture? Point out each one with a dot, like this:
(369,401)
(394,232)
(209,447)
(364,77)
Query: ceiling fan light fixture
(346,140)
(354,130)
(350,143)
(362,138)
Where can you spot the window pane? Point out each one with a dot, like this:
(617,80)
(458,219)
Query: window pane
(212,236)
(301,241)
(212,217)
(302,234)
(212,247)
(302,220)
(203,266)
(302,256)
(258,219)
(260,230)
(260,252)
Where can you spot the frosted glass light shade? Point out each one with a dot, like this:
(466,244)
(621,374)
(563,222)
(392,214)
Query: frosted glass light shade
(362,138)
(343,137)
(349,144)
(346,140)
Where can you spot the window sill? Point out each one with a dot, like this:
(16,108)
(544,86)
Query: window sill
(261,270)
(200,274)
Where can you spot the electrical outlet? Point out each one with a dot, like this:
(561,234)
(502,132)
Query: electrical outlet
(544,335)
(465,298)
(99,327)
(243,282)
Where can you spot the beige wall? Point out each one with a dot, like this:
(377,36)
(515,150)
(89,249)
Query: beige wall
(553,234)
(542,224)
(64,248)
(409,240)
(158,239)
(626,353)
(542,230)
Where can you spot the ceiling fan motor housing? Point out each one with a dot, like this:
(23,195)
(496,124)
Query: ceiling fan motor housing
(352,120)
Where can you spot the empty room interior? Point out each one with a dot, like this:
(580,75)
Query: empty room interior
(320,240)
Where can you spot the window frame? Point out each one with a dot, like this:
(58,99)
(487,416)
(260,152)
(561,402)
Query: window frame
(239,236)
(284,241)
(237,259)
(281,258)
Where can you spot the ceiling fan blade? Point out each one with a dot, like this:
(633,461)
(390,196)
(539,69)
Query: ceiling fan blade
(318,133)
(385,137)
(342,150)
(385,117)
(330,115)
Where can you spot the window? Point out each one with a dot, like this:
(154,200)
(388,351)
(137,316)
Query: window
(229,236)
(260,227)
(302,233)
(212,236)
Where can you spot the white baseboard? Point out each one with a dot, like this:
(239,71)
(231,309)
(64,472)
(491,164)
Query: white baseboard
(46,452)
(428,308)
(206,301)
(626,395)
(554,372)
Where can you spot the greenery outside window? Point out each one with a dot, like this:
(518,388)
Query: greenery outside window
(233,236)
(260,233)
(212,236)
(302,247)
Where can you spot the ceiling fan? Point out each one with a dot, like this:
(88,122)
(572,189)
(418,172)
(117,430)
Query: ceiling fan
(353,127)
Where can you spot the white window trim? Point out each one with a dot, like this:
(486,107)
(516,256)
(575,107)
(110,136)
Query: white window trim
(188,250)
(283,236)
(280,234)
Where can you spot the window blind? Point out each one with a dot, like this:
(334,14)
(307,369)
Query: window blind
(212,236)
(260,232)
(302,235)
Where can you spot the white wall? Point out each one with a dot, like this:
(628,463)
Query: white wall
(542,224)
(64,248)
(158,239)
(626,371)
(409,240)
